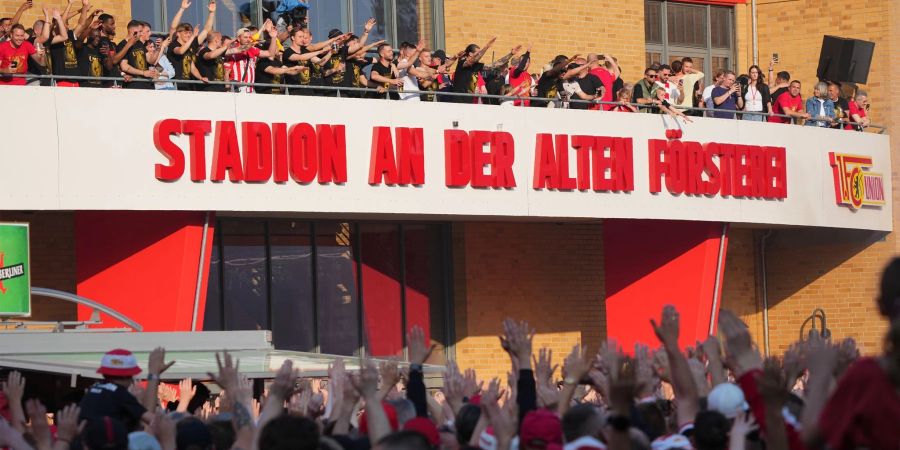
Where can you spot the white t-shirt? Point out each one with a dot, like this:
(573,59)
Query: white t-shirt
(410,83)
(753,99)
(707,92)
(671,88)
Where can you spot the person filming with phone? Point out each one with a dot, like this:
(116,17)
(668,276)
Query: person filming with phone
(15,56)
(726,97)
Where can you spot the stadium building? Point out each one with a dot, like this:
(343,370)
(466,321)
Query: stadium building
(338,223)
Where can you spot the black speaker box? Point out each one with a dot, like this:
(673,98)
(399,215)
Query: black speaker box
(845,60)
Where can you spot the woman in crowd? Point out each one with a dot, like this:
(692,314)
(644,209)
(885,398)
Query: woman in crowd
(756,95)
(819,107)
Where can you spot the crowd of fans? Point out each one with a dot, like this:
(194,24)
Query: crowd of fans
(284,59)
(819,394)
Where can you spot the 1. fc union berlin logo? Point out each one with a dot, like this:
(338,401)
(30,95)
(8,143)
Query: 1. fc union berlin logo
(854,185)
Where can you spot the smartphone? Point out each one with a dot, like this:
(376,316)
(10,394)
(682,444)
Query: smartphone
(775,57)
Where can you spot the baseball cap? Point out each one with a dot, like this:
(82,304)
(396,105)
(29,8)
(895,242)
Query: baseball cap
(727,399)
(335,32)
(106,434)
(119,363)
(425,427)
(541,428)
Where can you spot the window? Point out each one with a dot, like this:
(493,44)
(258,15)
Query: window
(398,20)
(330,286)
(703,32)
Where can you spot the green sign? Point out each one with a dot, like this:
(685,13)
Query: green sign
(15,270)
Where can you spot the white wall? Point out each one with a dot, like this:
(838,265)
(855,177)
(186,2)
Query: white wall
(92,149)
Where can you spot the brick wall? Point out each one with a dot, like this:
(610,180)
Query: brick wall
(52,260)
(120,9)
(546,273)
(739,283)
(609,26)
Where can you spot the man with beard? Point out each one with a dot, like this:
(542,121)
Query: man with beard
(135,62)
(298,54)
(385,73)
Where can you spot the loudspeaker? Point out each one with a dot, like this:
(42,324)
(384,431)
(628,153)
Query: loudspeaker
(845,60)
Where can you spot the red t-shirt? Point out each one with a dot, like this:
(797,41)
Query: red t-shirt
(785,101)
(854,109)
(863,411)
(17,57)
(607,79)
(516,81)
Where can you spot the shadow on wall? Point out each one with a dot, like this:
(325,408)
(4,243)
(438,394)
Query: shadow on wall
(797,258)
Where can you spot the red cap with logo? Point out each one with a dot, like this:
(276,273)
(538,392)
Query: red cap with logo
(119,363)
(541,429)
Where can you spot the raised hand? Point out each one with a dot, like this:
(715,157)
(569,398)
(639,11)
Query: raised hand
(608,358)
(847,354)
(419,350)
(740,354)
(40,427)
(156,363)
(499,419)
(543,370)
(661,365)
(743,425)
(624,386)
(67,425)
(163,428)
(390,375)
(576,365)
(369,25)
(366,382)
(228,376)
(668,328)
(454,387)
(212,6)
(14,387)
(285,381)
(772,384)
(643,370)
(517,341)
(185,4)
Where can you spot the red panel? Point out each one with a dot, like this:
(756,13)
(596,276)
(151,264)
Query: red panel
(380,244)
(418,272)
(143,264)
(649,264)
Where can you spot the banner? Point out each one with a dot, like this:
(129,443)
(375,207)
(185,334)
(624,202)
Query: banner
(15,270)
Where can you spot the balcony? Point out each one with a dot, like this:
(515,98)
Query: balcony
(96,149)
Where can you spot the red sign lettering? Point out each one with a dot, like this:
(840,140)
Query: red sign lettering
(465,159)
(265,151)
(748,171)
(602,163)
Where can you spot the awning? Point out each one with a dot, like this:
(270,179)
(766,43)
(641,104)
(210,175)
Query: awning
(78,354)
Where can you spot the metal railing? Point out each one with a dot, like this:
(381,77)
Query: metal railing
(95,307)
(436,96)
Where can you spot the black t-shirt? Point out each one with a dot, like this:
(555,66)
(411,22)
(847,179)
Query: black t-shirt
(137,58)
(841,111)
(305,77)
(211,69)
(337,78)
(465,80)
(386,72)
(92,62)
(777,93)
(182,63)
(548,87)
(432,86)
(105,399)
(589,85)
(266,78)
(355,69)
(64,57)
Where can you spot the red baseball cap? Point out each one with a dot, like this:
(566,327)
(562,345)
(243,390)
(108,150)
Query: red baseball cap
(119,363)
(540,429)
(425,427)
